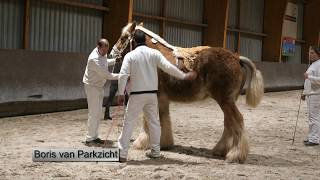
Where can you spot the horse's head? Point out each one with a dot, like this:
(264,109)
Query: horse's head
(124,40)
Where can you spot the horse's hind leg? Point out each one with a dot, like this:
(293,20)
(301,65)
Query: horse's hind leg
(233,143)
(166,141)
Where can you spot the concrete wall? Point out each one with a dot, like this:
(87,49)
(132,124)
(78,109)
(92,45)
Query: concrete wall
(282,76)
(37,82)
(34,75)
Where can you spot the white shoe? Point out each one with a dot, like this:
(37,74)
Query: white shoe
(153,154)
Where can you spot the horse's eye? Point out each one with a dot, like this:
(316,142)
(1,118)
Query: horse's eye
(123,38)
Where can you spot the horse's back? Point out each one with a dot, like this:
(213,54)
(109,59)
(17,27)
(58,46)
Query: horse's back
(221,72)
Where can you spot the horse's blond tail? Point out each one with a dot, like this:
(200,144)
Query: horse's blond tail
(255,87)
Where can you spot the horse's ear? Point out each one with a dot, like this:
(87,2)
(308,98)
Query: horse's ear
(140,24)
(133,26)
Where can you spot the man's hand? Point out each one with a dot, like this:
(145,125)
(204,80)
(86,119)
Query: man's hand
(118,59)
(120,100)
(305,75)
(190,75)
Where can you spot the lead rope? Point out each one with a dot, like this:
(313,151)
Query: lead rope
(118,108)
(295,128)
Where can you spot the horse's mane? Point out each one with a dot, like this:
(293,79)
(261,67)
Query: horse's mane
(188,55)
(157,38)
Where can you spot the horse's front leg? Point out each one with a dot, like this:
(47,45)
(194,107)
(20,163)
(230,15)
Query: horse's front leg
(166,141)
(143,140)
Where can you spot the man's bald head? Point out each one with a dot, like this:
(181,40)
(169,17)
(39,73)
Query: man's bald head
(103,42)
(103,46)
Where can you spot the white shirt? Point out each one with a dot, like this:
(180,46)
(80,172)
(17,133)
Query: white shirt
(141,65)
(97,73)
(312,84)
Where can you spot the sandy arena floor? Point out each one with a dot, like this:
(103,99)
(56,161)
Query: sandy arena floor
(197,127)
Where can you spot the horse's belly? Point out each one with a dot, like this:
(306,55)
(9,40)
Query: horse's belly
(184,91)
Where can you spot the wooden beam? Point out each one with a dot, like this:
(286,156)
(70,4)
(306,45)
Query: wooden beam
(311,27)
(161,18)
(163,23)
(274,11)
(247,32)
(226,25)
(130,11)
(119,15)
(216,18)
(238,25)
(319,40)
(26,24)
(79,4)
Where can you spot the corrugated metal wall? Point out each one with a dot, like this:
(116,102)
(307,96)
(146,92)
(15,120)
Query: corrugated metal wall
(233,14)
(185,10)
(150,7)
(231,41)
(298,50)
(55,27)
(251,47)
(182,36)
(188,10)
(11,24)
(232,37)
(152,25)
(251,19)
(96,2)
(251,15)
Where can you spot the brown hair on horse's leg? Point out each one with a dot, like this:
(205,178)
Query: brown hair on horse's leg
(233,143)
(143,140)
(166,141)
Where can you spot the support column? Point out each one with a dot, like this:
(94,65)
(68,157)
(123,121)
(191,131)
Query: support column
(113,21)
(216,16)
(26,23)
(274,11)
(311,29)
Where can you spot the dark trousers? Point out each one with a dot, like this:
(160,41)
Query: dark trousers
(112,94)
(108,103)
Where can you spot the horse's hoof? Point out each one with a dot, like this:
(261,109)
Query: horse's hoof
(166,146)
(234,156)
(218,153)
(142,142)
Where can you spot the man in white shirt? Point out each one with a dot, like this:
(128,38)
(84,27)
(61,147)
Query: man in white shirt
(94,79)
(141,65)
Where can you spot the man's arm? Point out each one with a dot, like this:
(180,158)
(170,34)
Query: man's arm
(169,68)
(102,71)
(123,75)
(314,79)
(111,62)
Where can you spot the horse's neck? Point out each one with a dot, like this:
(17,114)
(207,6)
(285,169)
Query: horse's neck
(157,38)
(166,52)
(172,53)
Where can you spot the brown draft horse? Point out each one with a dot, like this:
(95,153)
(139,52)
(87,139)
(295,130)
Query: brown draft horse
(221,76)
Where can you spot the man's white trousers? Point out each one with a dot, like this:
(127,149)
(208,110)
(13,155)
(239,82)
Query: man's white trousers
(95,114)
(313,102)
(138,103)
